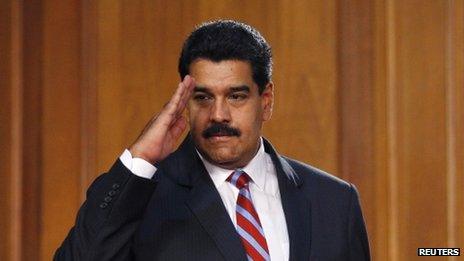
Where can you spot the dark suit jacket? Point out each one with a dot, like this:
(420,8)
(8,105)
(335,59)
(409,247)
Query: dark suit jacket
(180,216)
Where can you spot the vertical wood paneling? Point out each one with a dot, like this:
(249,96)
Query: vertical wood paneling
(108,81)
(391,115)
(355,76)
(458,68)
(406,107)
(421,127)
(450,125)
(379,232)
(11,129)
(16,130)
(304,123)
(6,117)
(61,135)
(455,122)
(360,70)
(32,115)
(88,93)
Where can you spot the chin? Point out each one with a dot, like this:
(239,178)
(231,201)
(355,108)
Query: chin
(221,156)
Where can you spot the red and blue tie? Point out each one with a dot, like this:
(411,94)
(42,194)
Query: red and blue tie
(248,225)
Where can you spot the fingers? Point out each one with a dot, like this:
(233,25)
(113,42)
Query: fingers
(180,98)
(178,102)
(173,104)
(178,127)
(189,84)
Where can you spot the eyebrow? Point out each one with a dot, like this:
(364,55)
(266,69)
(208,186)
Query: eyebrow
(241,88)
(201,89)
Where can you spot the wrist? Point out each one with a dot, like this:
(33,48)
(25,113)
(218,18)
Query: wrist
(138,153)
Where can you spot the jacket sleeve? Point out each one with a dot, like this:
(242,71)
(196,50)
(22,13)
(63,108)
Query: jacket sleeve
(108,218)
(358,240)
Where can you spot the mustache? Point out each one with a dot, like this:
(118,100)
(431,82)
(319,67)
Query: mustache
(222,129)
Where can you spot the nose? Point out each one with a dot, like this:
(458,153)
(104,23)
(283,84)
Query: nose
(220,111)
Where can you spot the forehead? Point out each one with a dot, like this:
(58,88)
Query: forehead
(223,74)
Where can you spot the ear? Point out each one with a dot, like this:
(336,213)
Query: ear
(267,101)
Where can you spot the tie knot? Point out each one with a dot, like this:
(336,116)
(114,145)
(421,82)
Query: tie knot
(239,179)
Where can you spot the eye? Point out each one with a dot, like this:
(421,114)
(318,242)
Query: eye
(238,96)
(201,97)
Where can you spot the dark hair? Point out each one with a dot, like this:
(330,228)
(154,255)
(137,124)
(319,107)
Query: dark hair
(228,40)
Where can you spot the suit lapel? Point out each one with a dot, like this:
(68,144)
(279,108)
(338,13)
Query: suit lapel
(296,206)
(207,206)
(206,203)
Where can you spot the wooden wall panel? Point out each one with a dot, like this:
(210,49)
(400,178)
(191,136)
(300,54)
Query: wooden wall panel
(360,96)
(61,143)
(32,133)
(10,129)
(6,118)
(455,122)
(423,162)
(400,117)
(378,224)
(304,125)
(420,125)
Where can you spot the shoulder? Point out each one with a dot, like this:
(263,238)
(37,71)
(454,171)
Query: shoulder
(319,182)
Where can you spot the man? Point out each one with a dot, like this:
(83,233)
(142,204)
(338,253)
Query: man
(225,193)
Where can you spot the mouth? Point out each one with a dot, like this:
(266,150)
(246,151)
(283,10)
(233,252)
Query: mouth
(220,134)
(220,137)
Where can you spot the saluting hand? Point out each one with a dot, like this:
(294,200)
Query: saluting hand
(160,135)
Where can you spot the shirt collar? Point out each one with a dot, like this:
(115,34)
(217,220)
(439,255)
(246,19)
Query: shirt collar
(256,169)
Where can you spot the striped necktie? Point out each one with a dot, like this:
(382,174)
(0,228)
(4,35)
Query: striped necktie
(248,224)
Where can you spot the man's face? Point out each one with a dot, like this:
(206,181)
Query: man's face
(226,111)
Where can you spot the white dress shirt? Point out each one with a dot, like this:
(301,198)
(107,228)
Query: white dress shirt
(264,189)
